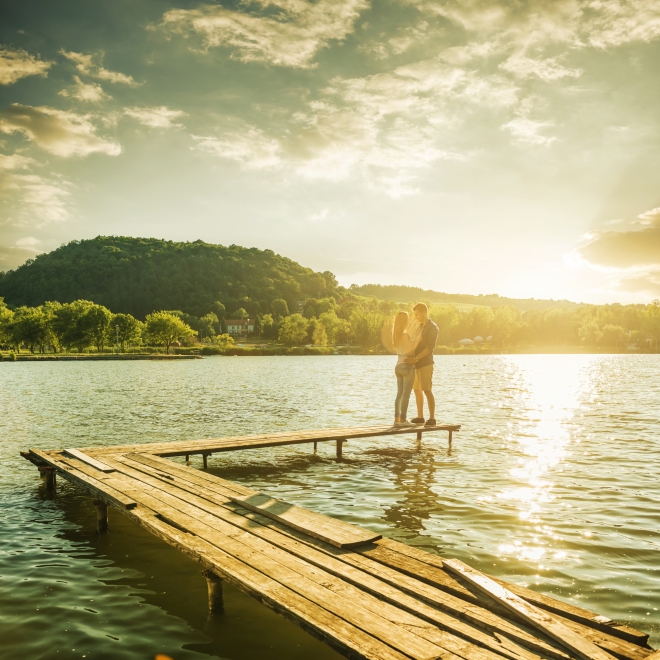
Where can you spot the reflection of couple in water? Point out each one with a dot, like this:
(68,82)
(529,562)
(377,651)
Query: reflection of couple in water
(414,342)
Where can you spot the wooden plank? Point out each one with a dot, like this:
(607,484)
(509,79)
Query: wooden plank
(335,532)
(369,614)
(477,607)
(346,639)
(544,621)
(98,487)
(81,456)
(549,603)
(264,440)
(289,539)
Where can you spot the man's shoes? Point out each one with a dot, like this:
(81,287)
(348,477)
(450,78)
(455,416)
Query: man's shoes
(431,422)
(417,420)
(403,423)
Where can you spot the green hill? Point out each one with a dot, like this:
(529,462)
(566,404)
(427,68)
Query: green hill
(407,294)
(140,275)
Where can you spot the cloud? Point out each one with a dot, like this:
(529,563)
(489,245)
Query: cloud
(648,283)
(17,64)
(15,162)
(58,132)
(626,249)
(281,32)
(548,70)
(250,147)
(91,65)
(528,131)
(88,92)
(156,117)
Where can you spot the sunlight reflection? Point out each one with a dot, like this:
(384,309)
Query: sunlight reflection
(548,392)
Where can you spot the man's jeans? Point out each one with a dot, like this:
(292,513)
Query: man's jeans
(405,377)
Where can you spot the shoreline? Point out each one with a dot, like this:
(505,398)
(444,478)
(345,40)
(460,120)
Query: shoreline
(84,357)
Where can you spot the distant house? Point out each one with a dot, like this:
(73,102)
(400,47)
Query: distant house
(466,342)
(240,327)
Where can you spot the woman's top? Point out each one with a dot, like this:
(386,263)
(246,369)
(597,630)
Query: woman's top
(405,347)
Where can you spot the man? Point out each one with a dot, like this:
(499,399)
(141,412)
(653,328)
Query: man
(423,386)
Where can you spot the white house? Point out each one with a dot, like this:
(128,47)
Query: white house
(240,327)
(466,342)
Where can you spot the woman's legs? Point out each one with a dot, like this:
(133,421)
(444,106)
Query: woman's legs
(408,378)
(399,395)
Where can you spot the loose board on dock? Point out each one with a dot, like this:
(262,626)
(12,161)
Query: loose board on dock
(367,597)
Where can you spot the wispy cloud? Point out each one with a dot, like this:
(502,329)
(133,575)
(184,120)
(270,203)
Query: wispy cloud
(87,92)
(17,64)
(56,131)
(156,117)
(92,65)
(250,147)
(281,32)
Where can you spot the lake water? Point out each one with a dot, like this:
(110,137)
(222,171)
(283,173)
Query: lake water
(553,483)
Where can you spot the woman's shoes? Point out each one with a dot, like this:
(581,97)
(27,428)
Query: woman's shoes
(403,423)
(417,420)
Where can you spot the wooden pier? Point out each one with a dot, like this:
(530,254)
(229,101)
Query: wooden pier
(366,596)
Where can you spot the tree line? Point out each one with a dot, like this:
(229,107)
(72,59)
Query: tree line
(344,318)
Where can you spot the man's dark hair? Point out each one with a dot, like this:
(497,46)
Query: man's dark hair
(421,307)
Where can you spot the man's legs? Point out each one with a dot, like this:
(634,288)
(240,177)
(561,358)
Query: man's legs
(419,400)
(430,400)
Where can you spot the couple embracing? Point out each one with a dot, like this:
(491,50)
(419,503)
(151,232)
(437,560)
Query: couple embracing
(414,343)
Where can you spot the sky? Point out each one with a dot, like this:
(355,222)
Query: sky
(466,146)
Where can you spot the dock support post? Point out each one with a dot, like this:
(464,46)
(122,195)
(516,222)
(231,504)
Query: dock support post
(187,459)
(204,457)
(450,436)
(419,435)
(51,480)
(340,444)
(216,598)
(315,446)
(101,516)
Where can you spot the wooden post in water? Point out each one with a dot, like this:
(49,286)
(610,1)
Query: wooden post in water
(315,446)
(51,480)
(340,444)
(450,434)
(101,516)
(216,598)
(187,459)
(204,457)
(419,435)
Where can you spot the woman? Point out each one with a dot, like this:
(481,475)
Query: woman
(404,345)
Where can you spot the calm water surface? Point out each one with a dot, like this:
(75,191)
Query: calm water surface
(553,483)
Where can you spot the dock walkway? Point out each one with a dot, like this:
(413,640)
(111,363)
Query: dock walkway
(366,596)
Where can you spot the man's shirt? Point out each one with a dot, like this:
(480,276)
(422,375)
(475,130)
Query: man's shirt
(429,339)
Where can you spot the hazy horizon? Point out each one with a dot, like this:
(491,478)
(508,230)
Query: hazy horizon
(473,147)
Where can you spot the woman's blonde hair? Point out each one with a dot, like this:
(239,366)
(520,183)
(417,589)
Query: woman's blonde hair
(401,321)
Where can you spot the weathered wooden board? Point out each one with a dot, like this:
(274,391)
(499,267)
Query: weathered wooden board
(85,458)
(335,532)
(544,621)
(264,440)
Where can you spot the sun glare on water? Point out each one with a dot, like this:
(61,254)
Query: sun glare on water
(549,394)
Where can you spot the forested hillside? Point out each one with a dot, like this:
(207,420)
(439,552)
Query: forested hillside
(139,275)
(407,294)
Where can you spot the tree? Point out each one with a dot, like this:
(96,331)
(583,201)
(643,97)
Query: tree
(367,327)
(613,335)
(651,320)
(96,322)
(279,308)
(219,309)
(126,328)
(75,324)
(31,326)
(336,329)
(293,330)
(446,318)
(319,337)
(506,324)
(6,318)
(165,328)
(208,324)
(268,326)
(223,341)
(240,313)
(590,333)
